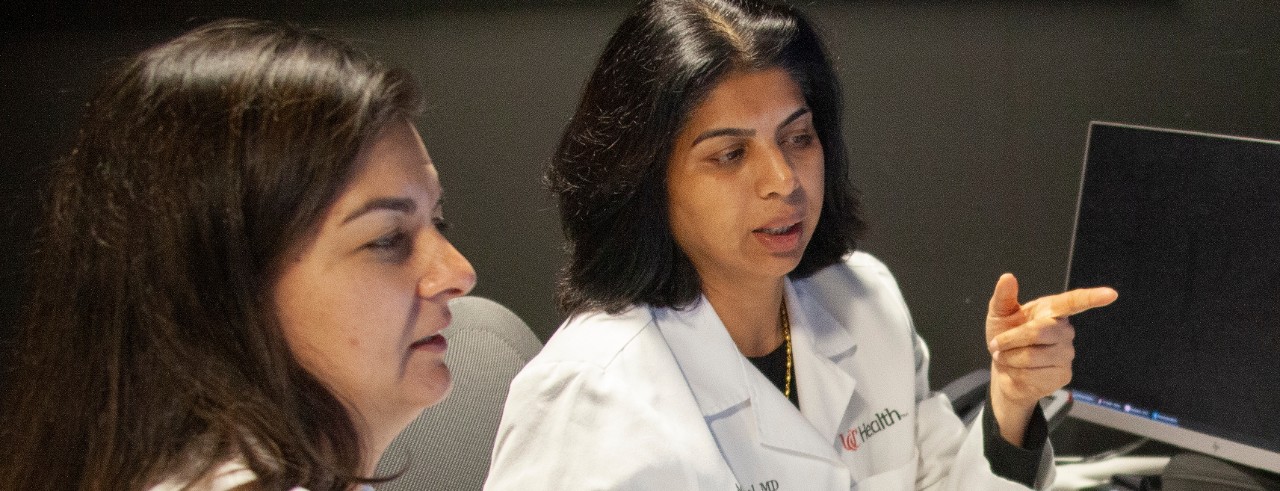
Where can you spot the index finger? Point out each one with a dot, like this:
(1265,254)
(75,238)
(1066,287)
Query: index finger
(1079,300)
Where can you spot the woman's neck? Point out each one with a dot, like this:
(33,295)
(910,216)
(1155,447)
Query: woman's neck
(376,437)
(749,311)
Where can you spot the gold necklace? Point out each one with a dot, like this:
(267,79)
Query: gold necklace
(786,339)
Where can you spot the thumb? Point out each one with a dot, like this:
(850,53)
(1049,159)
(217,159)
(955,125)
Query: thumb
(1004,301)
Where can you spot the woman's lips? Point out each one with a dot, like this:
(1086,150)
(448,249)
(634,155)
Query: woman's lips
(430,343)
(779,239)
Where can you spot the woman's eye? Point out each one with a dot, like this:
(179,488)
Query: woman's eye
(394,246)
(388,241)
(440,224)
(800,140)
(731,155)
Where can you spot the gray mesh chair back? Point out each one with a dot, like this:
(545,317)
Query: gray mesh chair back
(448,446)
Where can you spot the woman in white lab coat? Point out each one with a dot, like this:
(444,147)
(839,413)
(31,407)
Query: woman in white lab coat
(723,332)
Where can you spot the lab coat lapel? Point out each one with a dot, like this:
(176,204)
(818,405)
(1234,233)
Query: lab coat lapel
(820,348)
(722,380)
(784,428)
(706,354)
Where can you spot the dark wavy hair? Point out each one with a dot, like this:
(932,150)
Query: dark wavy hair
(150,347)
(609,171)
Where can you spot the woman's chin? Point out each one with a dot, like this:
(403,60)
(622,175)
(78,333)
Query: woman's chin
(777,266)
(430,386)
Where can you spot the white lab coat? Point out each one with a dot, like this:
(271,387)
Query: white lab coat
(662,399)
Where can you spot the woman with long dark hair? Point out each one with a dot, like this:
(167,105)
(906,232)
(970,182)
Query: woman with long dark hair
(240,277)
(724,332)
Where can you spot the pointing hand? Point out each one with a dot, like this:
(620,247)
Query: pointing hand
(1031,348)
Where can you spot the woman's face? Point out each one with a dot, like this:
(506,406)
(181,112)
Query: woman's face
(362,304)
(745,181)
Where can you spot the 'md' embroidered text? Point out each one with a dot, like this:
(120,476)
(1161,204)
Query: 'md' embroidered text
(770,485)
(861,433)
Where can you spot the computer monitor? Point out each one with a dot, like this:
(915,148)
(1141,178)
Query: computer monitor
(1186,227)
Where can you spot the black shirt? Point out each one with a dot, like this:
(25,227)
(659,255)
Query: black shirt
(774,367)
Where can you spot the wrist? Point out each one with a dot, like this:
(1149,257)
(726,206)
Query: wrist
(1011,417)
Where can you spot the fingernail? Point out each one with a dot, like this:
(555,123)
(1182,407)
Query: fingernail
(993,346)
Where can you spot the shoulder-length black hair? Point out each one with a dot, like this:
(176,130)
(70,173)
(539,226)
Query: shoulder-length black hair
(150,347)
(609,171)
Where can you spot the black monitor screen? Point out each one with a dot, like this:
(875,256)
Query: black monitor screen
(1186,226)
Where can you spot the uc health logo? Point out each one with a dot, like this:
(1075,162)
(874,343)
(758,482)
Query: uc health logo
(859,434)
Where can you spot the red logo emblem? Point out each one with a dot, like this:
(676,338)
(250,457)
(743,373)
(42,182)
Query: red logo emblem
(850,440)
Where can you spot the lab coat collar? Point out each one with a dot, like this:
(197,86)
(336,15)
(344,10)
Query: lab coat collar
(722,379)
(829,337)
(819,344)
(710,361)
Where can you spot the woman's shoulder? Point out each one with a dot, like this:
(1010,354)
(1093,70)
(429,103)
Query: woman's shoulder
(594,351)
(864,261)
(605,402)
(857,270)
(599,338)
(860,285)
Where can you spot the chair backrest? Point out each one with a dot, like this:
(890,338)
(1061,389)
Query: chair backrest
(448,446)
(968,394)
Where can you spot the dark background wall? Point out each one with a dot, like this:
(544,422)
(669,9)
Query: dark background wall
(966,120)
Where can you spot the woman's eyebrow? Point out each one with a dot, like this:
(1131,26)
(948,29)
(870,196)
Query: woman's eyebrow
(747,133)
(404,205)
(739,132)
(794,116)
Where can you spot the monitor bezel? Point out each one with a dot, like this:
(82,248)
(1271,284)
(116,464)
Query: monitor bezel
(1176,435)
(1183,437)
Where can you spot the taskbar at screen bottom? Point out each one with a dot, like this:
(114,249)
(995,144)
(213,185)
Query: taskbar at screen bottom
(1170,429)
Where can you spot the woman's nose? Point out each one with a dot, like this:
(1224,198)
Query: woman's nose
(449,275)
(776,176)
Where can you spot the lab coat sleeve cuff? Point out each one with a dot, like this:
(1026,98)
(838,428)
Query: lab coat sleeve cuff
(1009,461)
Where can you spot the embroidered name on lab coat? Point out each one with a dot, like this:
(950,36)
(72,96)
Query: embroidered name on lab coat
(859,434)
(770,485)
